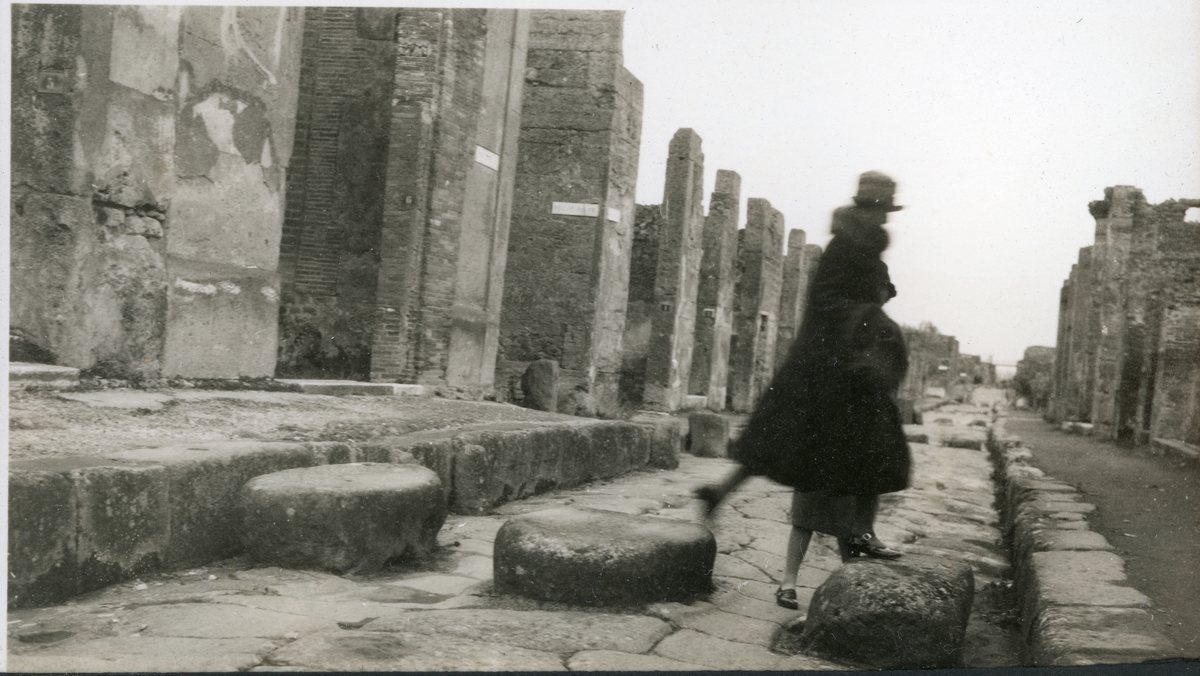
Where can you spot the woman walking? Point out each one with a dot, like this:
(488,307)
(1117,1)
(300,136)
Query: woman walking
(828,426)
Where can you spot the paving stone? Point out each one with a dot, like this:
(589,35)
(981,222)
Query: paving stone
(731,566)
(732,627)
(600,558)
(770,564)
(394,651)
(217,620)
(732,601)
(145,654)
(695,647)
(612,660)
(478,567)
(559,632)
(440,585)
(349,517)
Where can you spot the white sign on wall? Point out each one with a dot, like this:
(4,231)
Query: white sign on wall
(574,209)
(487,158)
(614,215)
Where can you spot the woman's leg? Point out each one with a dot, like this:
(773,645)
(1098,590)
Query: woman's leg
(796,549)
(863,541)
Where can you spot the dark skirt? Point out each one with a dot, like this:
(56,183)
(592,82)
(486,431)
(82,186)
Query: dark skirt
(830,514)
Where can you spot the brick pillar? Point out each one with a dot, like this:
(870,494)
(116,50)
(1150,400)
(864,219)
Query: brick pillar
(1176,405)
(444,222)
(752,361)
(714,297)
(669,357)
(567,282)
(793,295)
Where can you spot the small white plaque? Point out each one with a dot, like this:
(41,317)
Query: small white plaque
(487,158)
(575,209)
(614,215)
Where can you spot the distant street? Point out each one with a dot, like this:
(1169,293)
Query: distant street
(1147,506)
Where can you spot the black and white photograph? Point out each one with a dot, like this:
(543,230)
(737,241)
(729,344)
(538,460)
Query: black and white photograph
(623,335)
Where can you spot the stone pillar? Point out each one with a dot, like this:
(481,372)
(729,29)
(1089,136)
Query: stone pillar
(1114,218)
(148,186)
(454,120)
(567,282)
(639,318)
(1062,352)
(793,296)
(1082,341)
(752,361)
(714,297)
(1176,399)
(677,276)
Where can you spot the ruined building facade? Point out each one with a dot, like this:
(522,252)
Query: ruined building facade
(1128,347)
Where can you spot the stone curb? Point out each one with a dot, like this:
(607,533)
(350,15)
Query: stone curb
(77,524)
(1076,605)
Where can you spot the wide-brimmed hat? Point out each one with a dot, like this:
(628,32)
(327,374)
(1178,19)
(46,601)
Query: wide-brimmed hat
(876,191)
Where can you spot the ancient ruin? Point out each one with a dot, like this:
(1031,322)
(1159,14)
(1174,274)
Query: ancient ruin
(1127,359)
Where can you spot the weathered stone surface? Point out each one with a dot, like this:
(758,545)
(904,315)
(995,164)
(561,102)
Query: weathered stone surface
(539,384)
(23,376)
(592,557)
(666,439)
(551,632)
(613,660)
(688,645)
(579,402)
(1079,578)
(1089,635)
(906,614)
(395,651)
(732,627)
(42,521)
(351,517)
(709,435)
(146,654)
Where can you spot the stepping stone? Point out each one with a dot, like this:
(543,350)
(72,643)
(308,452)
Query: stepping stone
(351,517)
(709,433)
(594,557)
(910,613)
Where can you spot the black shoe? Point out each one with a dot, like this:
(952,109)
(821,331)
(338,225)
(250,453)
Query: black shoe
(787,598)
(869,546)
(711,496)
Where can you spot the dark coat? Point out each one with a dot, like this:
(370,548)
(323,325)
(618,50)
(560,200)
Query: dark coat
(829,421)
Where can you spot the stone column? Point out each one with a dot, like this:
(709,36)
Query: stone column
(752,360)
(567,282)
(1062,352)
(677,276)
(1082,343)
(714,298)
(793,295)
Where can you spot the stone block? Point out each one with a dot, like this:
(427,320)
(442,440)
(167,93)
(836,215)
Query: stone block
(22,376)
(351,517)
(558,632)
(709,434)
(906,614)
(1088,635)
(666,439)
(41,538)
(594,557)
(539,384)
(204,486)
(124,522)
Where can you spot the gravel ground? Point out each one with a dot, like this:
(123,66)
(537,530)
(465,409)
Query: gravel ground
(44,424)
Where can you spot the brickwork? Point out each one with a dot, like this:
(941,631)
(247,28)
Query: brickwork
(677,278)
(714,295)
(1126,358)
(566,286)
(793,295)
(756,322)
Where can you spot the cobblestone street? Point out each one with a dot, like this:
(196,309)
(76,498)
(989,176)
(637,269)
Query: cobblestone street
(442,614)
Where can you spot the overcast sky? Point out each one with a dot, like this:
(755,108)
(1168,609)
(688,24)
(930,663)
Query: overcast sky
(999,120)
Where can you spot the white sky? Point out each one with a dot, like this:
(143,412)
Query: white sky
(999,120)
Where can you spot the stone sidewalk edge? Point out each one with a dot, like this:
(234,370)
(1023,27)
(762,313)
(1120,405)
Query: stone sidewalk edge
(1076,606)
(77,524)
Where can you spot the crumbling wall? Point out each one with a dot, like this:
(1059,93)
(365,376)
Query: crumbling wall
(148,190)
(714,295)
(567,281)
(1126,360)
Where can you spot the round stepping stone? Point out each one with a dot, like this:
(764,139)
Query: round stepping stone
(595,557)
(349,517)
